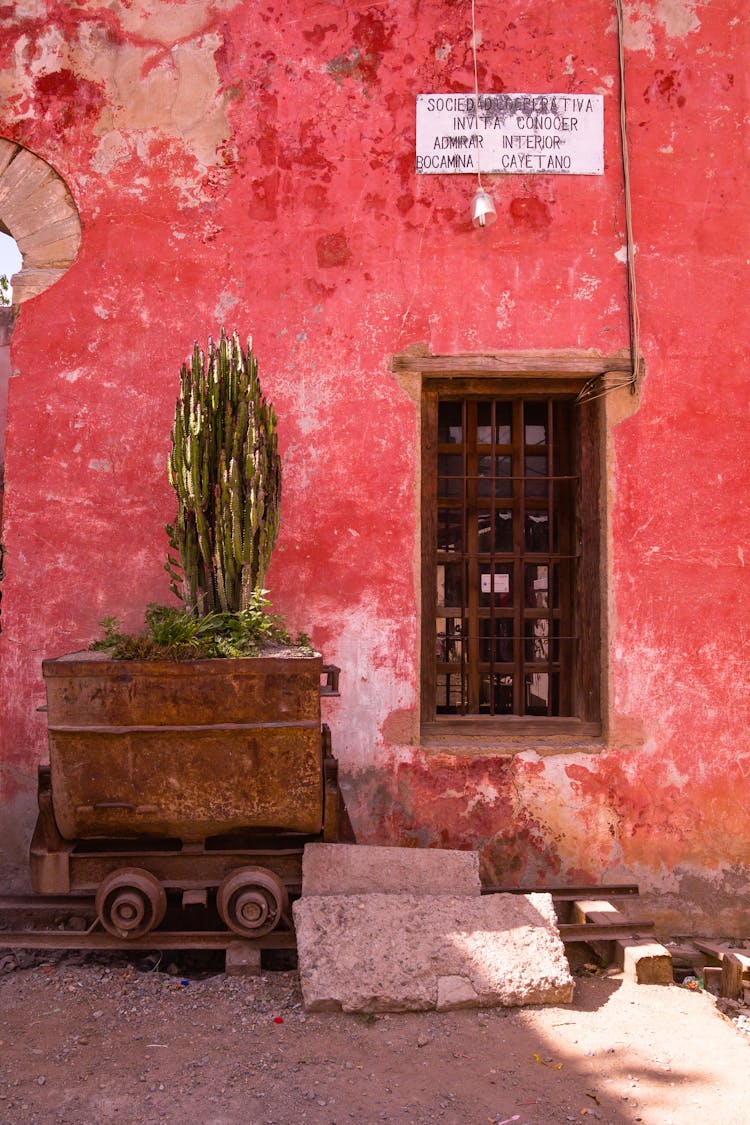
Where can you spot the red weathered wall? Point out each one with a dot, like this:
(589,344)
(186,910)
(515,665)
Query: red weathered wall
(253,166)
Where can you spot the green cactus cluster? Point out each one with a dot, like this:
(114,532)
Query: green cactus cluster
(226,471)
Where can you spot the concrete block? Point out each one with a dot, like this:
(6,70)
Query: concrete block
(405,952)
(350,869)
(242,960)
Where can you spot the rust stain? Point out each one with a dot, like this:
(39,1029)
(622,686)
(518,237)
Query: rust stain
(373,35)
(401,728)
(531,212)
(333,250)
(666,88)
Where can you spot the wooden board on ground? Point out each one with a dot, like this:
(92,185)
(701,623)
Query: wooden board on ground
(641,958)
(734,963)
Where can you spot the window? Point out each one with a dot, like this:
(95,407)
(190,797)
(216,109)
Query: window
(510,559)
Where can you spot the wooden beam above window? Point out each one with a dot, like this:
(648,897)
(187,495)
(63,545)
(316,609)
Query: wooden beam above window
(552,364)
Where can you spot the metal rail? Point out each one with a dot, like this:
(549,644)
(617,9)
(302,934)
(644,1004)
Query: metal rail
(156,939)
(16,907)
(44,904)
(569,894)
(96,938)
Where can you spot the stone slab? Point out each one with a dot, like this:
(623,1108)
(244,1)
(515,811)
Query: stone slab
(391,953)
(347,869)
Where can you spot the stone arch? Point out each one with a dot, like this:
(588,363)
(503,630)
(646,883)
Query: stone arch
(37,210)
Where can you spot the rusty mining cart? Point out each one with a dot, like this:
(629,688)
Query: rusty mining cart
(185,790)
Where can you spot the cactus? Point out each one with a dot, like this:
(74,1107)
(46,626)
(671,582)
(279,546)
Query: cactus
(226,471)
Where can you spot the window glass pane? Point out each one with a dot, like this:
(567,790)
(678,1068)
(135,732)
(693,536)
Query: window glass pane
(563,500)
(450,474)
(537,693)
(484,423)
(450,424)
(450,531)
(449,701)
(503,472)
(496,695)
(495,641)
(449,640)
(535,423)
(484,533)
(484,469)
(537,587)
(539,645)
(536,468)
(503,423)
(504,529)
(449,585)
(502,484)
(537,531)
(496,585)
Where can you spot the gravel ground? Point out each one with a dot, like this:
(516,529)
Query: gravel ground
(92,1038)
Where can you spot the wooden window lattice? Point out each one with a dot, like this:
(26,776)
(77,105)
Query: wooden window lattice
(505,557)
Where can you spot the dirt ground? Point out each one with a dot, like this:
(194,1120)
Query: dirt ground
(95,1038)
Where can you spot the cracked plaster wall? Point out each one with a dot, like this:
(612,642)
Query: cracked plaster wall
(254,166)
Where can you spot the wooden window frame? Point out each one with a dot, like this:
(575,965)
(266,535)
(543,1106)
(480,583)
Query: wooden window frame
(440,379)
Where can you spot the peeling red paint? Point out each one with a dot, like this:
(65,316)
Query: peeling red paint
(665,87)
(284,202)
(73,98)
(530,211)
(333,250)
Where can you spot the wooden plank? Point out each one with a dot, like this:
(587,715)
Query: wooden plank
(732,968)
(595,931)
(712,980)
(429,435)
(553,364)
(30,283)
(53,253)
(8,150)
(642,959)
(23,175)
(715,949)
(587,576)
(607,913)
(595,910)
(684,954)
(70,226)
(23,220)
(500,729)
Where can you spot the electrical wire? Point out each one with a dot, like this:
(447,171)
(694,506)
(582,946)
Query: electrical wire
(476,87)
(596,387)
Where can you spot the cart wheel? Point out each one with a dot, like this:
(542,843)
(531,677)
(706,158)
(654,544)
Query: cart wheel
(252,901)
(130,902)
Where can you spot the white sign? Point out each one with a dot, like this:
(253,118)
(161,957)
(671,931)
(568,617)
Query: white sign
(545,134)
(502,583)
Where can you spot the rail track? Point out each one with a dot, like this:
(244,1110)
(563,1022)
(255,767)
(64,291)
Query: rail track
(22,917)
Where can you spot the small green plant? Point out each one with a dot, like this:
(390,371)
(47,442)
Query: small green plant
(178,634)
(4,290)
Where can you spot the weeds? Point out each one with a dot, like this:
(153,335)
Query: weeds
(178,634)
